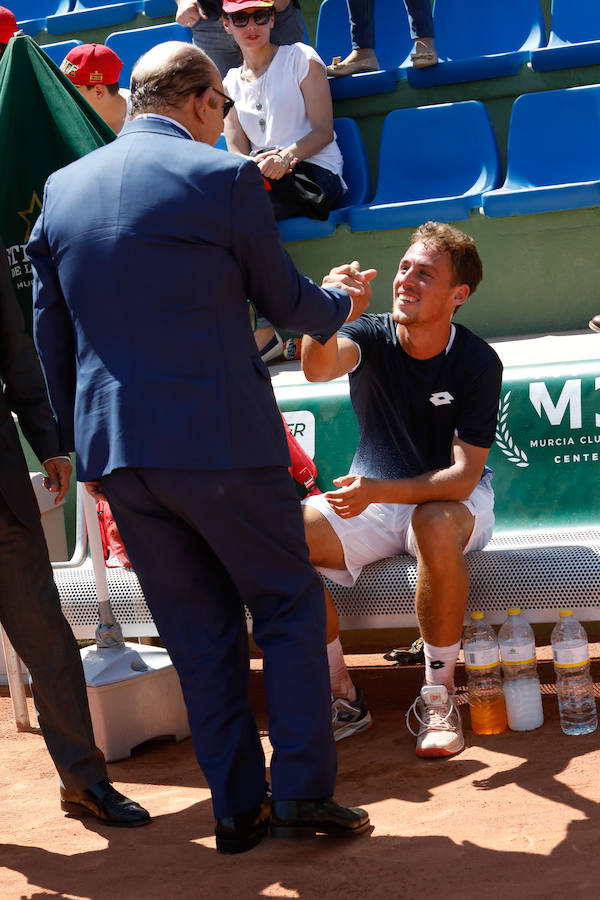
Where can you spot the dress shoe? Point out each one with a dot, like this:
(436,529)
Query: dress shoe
(338,69)
(296,819)
(104,802)
(236,834)
(594,323)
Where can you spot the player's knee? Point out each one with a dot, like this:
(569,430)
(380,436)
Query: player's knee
(437,529)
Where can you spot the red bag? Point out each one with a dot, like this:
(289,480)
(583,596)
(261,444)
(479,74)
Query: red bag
(112,542)
(303,469)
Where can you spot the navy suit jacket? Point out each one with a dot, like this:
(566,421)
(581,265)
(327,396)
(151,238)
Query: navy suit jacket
(145,253)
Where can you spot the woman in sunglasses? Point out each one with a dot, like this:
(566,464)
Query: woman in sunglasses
(283,119)
(283,114)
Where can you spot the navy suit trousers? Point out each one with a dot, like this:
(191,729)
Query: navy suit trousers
(204,544)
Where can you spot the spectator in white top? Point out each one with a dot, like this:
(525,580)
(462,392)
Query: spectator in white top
(283,119)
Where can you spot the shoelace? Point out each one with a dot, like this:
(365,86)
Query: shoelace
(435,721)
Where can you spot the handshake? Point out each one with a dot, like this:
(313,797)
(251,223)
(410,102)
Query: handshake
(355,282)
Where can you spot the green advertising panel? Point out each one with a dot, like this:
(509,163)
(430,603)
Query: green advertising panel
(546,457)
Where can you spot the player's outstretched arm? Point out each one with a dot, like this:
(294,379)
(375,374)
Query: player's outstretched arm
(323,362)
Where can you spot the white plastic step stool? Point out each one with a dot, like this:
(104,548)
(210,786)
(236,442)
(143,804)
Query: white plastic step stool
(134,696)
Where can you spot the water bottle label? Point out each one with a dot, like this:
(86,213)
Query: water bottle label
(570,657)
(481,658)
(517,654)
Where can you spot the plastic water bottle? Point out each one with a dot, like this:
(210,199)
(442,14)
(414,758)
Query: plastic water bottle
(484,678)
(521,683)
(574,687)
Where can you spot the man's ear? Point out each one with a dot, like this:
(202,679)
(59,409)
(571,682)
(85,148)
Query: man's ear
(460,294)
(201,102)
(99,91)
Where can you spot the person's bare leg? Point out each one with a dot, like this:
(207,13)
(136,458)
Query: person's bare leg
(326,550)
(442,530)
(268,342)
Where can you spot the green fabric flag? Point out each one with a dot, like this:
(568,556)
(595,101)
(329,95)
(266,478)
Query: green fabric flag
(45,123)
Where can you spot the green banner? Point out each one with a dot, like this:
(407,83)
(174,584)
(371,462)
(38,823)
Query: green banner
(45,123)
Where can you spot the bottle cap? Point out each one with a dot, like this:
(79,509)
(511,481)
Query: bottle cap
(477,614)
(564,613)
(514,611)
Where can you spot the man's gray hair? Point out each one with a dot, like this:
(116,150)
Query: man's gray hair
(168,73)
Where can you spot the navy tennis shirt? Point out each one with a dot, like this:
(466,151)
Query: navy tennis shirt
(408,410)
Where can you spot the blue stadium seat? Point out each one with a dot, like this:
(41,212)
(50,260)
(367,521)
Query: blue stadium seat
(31,15)
(481,39)
(551,161)
(393,47)
(574,39)
(358,180)
(434,163)
(57,52)
(156,8)
(130,45)
(86,14)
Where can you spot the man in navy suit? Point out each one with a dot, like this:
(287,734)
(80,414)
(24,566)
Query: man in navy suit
(145,253)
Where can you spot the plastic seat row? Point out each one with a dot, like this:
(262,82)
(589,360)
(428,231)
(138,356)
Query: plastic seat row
(475,39)
(441,162)
(128,45)
(68,16)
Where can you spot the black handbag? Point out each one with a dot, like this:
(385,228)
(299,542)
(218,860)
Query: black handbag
(296,194)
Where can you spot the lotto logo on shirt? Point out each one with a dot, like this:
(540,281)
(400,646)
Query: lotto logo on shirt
(441,398)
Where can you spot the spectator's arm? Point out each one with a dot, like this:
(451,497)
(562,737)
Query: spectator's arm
(237,142)
(188,12)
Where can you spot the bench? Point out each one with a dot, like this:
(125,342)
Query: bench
(545,553)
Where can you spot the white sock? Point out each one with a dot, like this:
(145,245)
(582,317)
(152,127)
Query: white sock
(341,683)
(440,663)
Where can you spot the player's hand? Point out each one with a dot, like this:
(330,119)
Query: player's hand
(94,488)
(58,477)
(357,284)
(188,13)
(355,493)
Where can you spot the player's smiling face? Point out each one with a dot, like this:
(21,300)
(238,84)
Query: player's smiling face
(424,291)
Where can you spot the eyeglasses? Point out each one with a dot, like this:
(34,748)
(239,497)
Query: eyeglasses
(229,103)
(241,19)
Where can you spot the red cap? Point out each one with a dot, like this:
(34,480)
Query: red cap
(92,64)
(232,6)
(8,25)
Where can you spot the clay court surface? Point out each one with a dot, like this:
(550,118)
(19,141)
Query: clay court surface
(515,815)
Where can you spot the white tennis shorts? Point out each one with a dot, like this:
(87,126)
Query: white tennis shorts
(385,529)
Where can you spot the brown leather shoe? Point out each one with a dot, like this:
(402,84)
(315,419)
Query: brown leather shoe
(296,819)
(594,323)
(105,803)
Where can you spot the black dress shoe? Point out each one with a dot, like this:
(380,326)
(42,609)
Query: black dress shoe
(236,834)
(594,323)
(104,802)
(296,819)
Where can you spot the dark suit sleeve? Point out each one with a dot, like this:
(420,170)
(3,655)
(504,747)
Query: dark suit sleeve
(286,298)
(53,331)
(24,387)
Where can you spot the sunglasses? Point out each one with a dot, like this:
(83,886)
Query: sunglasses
(229,103)
(241,19)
